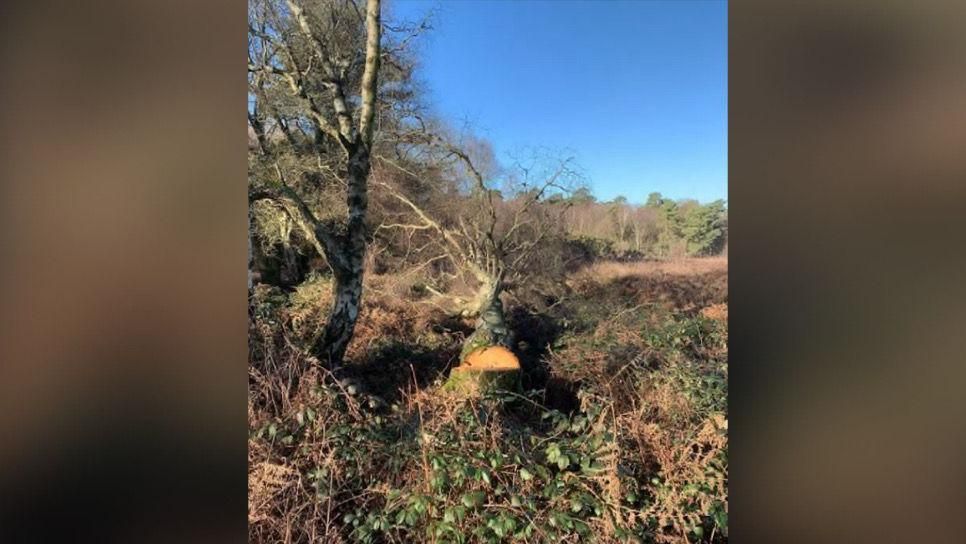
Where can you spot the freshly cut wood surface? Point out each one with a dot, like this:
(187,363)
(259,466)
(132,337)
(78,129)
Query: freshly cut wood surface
(492,358)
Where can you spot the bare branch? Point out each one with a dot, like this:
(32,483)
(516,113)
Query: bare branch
(444,232)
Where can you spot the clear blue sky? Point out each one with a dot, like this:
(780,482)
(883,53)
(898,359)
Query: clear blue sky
(636,89)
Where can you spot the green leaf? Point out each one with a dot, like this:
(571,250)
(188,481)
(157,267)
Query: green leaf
(509,524)
(472,500)
(563,461)
(497,527)
(525,474)
(553,452)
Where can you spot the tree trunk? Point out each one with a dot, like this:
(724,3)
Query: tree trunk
(348,266)
(486,362)
(491,328)
(347,294)
(289,273)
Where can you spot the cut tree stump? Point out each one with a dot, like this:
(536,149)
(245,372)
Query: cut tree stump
(486,369)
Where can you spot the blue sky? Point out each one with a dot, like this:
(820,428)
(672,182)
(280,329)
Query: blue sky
(636,89)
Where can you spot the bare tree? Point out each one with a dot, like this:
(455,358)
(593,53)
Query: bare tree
(314,74)
(489,222)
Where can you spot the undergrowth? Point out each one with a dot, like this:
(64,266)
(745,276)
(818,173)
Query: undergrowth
(641,457)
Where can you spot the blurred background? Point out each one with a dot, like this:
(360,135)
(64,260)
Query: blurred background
(847,196)
(123,220)
(123,213)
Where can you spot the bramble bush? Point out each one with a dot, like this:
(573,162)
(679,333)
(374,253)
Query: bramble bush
(641,457)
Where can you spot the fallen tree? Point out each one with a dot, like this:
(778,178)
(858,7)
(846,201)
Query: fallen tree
(488,222)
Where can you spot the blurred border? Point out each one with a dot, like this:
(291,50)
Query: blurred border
(123,205)
(123,209)
(847,122)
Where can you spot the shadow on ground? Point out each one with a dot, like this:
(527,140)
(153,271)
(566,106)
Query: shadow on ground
(391,362)
(393,366)
(534,334)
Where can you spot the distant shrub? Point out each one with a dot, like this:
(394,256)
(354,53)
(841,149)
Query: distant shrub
(583,250)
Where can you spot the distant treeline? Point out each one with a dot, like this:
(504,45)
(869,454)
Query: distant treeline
(661,228)
(589,230)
